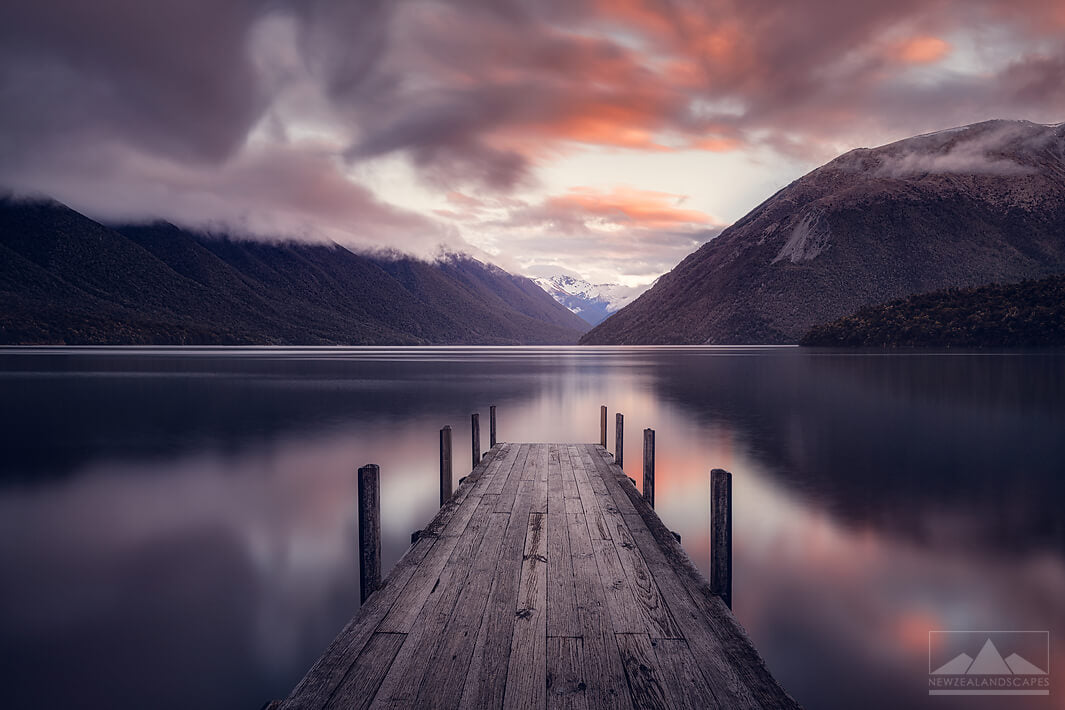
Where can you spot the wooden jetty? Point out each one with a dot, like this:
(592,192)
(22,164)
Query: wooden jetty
(545,581)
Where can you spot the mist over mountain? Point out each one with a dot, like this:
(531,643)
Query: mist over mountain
(65,278)
(962,207)
(592,302)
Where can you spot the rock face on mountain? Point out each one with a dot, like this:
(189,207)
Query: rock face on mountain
(65,278)
(592,302)
(958,208)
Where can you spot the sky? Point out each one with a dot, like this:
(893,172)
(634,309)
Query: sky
(601,138)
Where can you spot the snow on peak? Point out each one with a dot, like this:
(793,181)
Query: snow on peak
(592,302)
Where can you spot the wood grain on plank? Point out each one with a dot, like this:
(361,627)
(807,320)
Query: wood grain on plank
(446,668)
(566,688)
(729,661)
(597,525)
(686,688)
(403,680)
(562,619)
(314,690)
(527,671)
(509,490)
(646,683)
(604,674)
(360,685)
(487,675)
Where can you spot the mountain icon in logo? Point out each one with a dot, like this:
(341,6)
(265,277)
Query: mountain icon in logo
(988,662)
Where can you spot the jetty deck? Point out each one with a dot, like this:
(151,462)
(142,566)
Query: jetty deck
(546,581)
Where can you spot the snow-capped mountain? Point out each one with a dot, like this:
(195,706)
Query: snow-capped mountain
(960,208)
(592,302)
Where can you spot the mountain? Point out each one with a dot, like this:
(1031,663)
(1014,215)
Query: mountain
(65,278)
(592,302)
(1028,314)
(958,208)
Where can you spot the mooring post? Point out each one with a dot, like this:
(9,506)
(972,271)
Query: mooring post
(445,465)
(369,530)
(602,426)
(619,440)
(649,466)
(721,535)
(475,421)
(492,427)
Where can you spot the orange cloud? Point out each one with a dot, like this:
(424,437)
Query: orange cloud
(630,207)
(924,49)
(717,144)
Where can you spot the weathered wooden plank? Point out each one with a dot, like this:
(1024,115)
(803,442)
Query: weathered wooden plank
(360,685)
(728,660)
(497,478)
(569,483)
(401,617)
(648,597)
(496,616)
(510,487)
(472,485)
(611,472)
(446,668)
(644,590)
(625,614)
(566,688)
(597,525)
(706,642)
(404,678)
(487,675)
(604,674)
(646,683)
(535,477)
(562,619)
(314,690)
(599,473)
(527,670)
(686,689)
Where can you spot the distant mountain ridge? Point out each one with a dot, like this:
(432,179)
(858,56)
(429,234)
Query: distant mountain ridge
(1027,314)
(592,302)
(65,278)
(957,208)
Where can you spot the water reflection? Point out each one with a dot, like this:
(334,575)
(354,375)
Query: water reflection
(178,526)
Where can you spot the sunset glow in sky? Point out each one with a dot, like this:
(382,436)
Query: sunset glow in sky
(606,138)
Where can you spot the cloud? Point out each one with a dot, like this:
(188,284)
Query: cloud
(979,150)
(923,49)
(277,115)
(618,234)
(269,191)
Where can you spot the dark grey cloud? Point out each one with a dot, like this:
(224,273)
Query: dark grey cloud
(170,77)
(245,109)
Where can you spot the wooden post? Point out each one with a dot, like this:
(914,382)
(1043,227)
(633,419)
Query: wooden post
(619,440)
(602,426)
(475,421)
(492,427)
(721,535)
(445,465)
(649,466)
(369,530)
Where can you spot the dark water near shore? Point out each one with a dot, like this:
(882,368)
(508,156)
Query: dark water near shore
(177,526)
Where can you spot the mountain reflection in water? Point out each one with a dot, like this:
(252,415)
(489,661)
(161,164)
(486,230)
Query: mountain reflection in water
(178,524)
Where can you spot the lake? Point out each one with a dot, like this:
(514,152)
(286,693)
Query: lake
(178,525)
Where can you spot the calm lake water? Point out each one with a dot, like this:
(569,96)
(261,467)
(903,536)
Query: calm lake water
(177,526)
